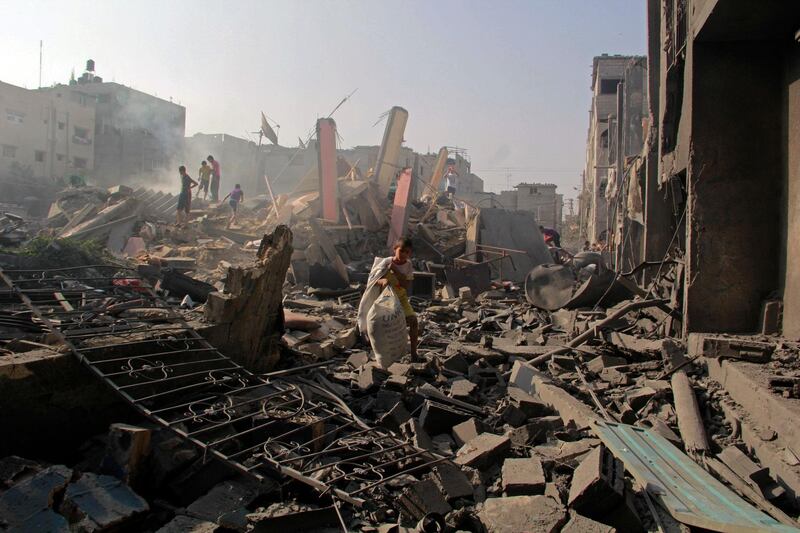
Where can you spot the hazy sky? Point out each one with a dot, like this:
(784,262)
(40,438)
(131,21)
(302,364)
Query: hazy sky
(507,80)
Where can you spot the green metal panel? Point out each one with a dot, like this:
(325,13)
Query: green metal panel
(689,493)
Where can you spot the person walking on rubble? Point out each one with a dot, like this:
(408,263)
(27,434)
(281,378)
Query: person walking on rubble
(185,197)
(204,175)
(396,272)
(236,197)
(215,178)
(553,234)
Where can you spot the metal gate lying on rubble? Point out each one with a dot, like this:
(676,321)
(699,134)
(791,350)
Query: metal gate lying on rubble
(129,337)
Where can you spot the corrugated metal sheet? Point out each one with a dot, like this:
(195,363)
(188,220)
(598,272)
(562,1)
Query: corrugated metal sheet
(689,493)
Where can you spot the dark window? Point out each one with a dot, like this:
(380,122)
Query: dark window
(61,125)
(9,151)
(604,139)
(60,157)
(103,98)
(609,86)
(79,162)
(17,117)
(38,155)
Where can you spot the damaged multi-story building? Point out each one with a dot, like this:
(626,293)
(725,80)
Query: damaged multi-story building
(716,185)
(45,133)
(615,126)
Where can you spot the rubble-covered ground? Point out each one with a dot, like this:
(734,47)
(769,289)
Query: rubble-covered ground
(510,404)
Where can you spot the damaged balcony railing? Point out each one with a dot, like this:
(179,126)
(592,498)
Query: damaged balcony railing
(134,341)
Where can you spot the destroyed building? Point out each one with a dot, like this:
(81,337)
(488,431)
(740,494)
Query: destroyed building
(227,374)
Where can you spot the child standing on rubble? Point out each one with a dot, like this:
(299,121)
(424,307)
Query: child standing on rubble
(185,197)
(236,197)
(204,174)
(399,277)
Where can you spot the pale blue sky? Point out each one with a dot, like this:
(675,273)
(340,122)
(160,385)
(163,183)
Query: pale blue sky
(507,80)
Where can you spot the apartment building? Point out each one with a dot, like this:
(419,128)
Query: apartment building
(616,116)
(45,133)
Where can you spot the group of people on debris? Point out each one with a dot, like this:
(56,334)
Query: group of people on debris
(209,175)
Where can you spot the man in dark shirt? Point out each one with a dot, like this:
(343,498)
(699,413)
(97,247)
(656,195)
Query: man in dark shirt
(553,234)
(216,176)
(185,197)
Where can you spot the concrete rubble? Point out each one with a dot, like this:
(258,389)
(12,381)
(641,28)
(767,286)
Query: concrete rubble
(494,395)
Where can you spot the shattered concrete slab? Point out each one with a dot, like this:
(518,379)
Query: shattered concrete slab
(27,505)
(522,513)
(221,501)
(101,502)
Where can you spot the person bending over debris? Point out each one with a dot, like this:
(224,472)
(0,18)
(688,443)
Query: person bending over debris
(553,234)
(204,174)
(185,197)
(236,197)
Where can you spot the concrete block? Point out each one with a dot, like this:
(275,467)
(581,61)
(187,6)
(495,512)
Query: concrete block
(581,524)
(421,498)
(219,308)
(414,431)
(639,397)
(456,363)
(523,476)
(400,369)
(527,403)
(604,361)
(756,476)
(522,513)
(358,359)
(568,452)
(395,417)
(614,376)
(101,502)
(483,450)
(397,383)
(717,346)
(462,389)
(513,415)
(439,418)
(535,431)
(597,483)
(222,500)
(26,505)
(466,431)
(370,376)
(635,344)
(572,411)
(346,338)
(465,294)
(452,481)
(127,449)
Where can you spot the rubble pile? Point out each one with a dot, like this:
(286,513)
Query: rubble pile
(535,403)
